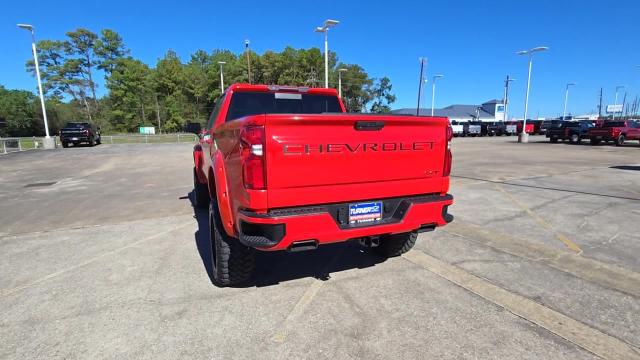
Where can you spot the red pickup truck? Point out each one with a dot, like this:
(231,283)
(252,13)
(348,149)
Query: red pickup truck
(285,168)
(616,131)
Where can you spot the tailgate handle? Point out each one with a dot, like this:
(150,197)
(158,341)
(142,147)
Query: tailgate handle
(369,125)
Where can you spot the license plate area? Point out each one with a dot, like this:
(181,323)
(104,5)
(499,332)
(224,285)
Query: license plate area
(365,213)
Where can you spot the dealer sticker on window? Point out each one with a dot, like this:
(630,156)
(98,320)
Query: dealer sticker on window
(365,212)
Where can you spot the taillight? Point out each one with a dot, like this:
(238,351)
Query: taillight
(252,156)
(448,157)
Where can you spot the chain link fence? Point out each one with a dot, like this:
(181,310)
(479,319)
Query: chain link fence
(10,145)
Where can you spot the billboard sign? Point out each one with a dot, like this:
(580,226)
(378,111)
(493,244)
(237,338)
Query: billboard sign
(147,130)
(611,109)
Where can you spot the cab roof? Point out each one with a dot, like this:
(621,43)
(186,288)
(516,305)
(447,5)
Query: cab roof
(282,88)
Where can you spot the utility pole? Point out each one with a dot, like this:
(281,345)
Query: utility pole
(624,101)
(248,52)
(157,112)
(422,61)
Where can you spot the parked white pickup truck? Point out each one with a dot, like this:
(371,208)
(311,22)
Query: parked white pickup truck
(458,129)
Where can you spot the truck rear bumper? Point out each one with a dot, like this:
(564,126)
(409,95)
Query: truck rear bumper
(279,229)
(74,139)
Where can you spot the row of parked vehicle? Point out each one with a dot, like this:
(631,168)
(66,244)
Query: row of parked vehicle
(596,132)
(575,132)
(499,128)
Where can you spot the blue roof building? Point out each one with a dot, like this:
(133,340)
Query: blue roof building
(490,111)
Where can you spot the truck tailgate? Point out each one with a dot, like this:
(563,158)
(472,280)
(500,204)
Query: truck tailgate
(334,158)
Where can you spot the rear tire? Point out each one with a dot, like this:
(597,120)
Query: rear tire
(553,139)
(65,144)
(92,142)
(620,140)
(99,140)
(396,244)
(231,262)
(594,141)
(201,192)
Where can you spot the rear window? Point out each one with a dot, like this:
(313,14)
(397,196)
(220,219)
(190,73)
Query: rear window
(78,125)
(254,103)
(610,124)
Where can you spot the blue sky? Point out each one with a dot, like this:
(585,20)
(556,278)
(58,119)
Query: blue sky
(473,43)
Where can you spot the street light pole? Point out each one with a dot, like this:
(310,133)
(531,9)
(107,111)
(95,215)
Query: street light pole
(248,52)
(340,71)
(524,137)
(325,29)
(615,102)
(221,76)
(505,100)
(566,97)
(422,61)
(35,59)
(433,91)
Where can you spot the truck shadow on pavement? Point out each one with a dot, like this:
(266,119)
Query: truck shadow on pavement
(275,267)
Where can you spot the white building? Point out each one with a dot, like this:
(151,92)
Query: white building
(489,111)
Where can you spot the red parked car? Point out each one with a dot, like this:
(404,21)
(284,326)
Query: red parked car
(285,168)
(616,131)
(530,128)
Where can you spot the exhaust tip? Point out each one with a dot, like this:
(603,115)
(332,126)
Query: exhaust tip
(303,245)
(370,241)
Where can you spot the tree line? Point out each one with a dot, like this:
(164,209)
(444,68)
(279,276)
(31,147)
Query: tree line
(172,92)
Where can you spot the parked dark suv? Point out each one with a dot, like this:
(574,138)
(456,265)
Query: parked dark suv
(498,128)
(80,132)
(550,124)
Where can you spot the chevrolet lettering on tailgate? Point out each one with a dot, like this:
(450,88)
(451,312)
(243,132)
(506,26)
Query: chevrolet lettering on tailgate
(297,149)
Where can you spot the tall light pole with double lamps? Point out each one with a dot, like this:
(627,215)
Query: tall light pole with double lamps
(340,71)
(523,136)
(48,143)
(566,97)
(433,91)
(325,29)
(221,76)
(615,102)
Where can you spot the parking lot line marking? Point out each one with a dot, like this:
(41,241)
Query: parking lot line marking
(606,275)
(506,182)
(298,309)
(565,240)
(580,334)
(7,292)
(306,298)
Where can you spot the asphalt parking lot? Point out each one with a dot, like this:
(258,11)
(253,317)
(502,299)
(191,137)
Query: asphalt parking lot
(102,256)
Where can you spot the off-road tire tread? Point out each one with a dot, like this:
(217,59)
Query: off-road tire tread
(235,262)
(396,244)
